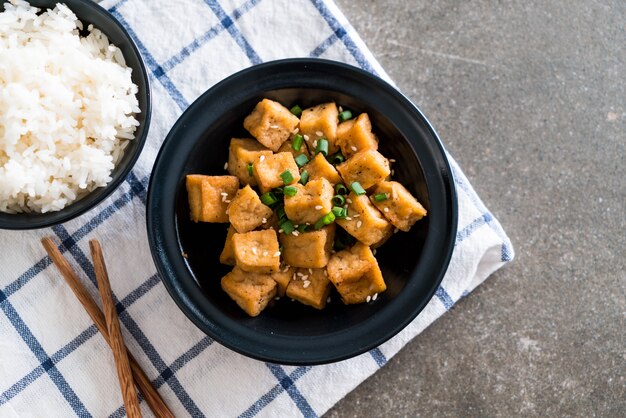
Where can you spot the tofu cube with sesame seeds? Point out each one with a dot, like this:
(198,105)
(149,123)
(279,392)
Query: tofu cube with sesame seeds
(400,207)
(288,147)
(308,249)
(364,222)
(283,277)
(319,168)
(310,287)
(268,170)
(257,251)
(270,123)
(310,203)
(243,153)
(356,135)
(228,254)
(351,264)
(361,290)
(252,292)
(246,211)
(367,167)
(209,196)
(320,122)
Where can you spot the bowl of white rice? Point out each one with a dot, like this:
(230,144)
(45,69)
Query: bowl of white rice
(74,109)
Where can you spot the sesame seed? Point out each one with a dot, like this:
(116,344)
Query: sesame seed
(296,226)
(306,137)
(356,215)
(293,277)
(254,250)
(353,148)
(227,201)
(274,126)
(328,299)
(348,218)
(318,207)
(277,254)
(340,109)
(393,172)
(295,233)
(349,201)
(325,273)
(391,160)
(265,253)
(226,166)
(300,274)
(386,209)
(315,143)
(306,276)
(374,251)
(264,220)
(319,133)
(284,270)
(295,131)
(395,231)
(375,296)
(280,231)
(307,224)
(262,158)
(306,284)
(368,298)
(310,271)
(224,194)
(358,224)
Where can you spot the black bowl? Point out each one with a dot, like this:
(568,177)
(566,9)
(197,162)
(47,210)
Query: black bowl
(89,12)
(412,263)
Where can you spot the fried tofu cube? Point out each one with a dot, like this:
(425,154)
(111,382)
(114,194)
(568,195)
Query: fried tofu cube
(270,123)
(282,277)
(246,211)
(319,168)
(356,135)
(268,170)
(364,222)
(252,292)
(257,251)
(241,153)
(320,122)
(310,203)
(357,291)
(308,249)
(288,147)
(310,288)
(351,264)
(209,196)
(228,254)
(368,167)
(400,207)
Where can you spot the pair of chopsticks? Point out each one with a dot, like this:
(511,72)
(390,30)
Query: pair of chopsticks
(128,370)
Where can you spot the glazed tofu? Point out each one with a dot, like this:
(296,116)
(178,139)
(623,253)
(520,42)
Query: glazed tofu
(310,287)
(246,211)
(308,249)
(319,168)
(368,167)
(209,196)
(288,147)
(257,251)
(356,135)
(252,292)
(351,264)
(357,291)
(400,207)
(228,254)
(310,203)
(320,122)
(268,170)
(241,153)
(282,277)
(270,123)
(364,222)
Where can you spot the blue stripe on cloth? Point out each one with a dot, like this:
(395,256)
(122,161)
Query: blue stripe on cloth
(464,233)
(154,67)
(135,331)
(336,27)
(289,385)
(444,297)
(229,25)
(46,362)
(273,393)
(327,43)
(378,357)
(207,36)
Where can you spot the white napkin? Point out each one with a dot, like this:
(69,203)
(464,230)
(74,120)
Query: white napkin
(53,362)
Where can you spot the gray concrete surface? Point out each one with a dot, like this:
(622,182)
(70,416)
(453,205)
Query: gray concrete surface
(530,98)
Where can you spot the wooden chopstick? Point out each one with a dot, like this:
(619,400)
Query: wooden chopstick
(124,374)
(150,394)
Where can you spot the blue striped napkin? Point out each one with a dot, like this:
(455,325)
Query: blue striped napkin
(53,362)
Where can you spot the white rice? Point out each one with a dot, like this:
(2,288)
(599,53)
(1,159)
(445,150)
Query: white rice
(67,106)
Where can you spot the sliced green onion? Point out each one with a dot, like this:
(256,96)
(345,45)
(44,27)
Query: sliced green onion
(290,191)
(340,212)
(327,219)
(249,167)
(337,158)
(341,189)
(301,160)
(269,198)
(339,200)
(322,146)
(286,176)
(296,110)
(357,188)
(296,142)
(281,213)
(280,248)
(345,115)
(302,228)
(287,226)
(380,197)
(304,177)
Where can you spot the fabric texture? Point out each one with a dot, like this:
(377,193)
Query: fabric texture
(53,362)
